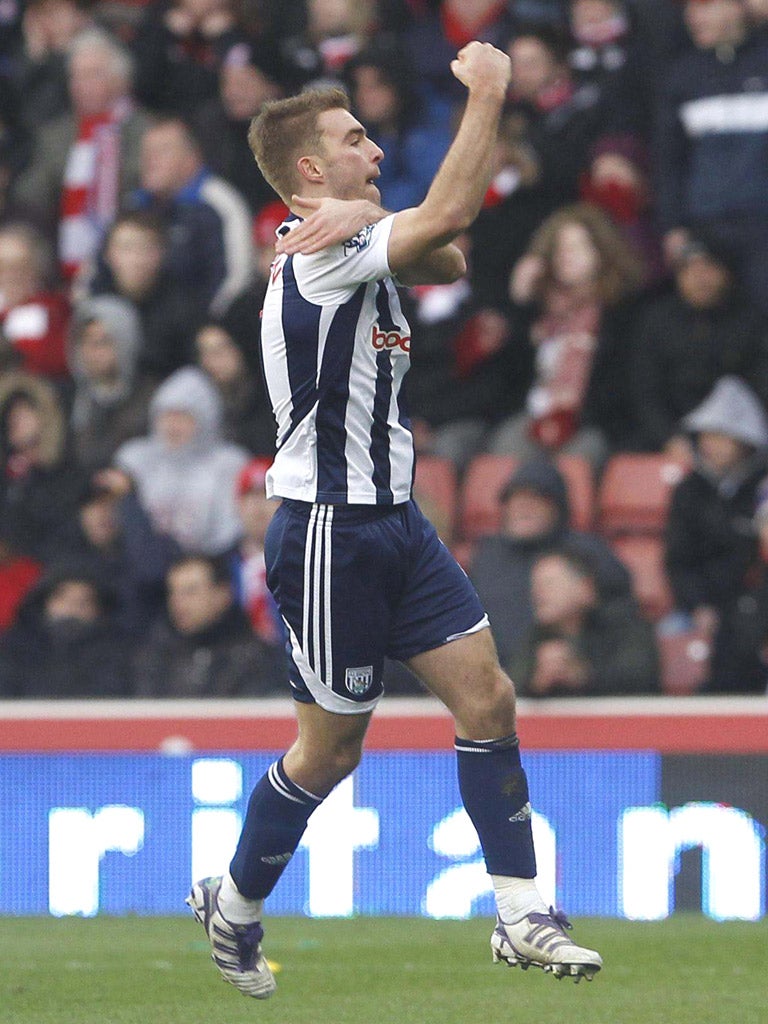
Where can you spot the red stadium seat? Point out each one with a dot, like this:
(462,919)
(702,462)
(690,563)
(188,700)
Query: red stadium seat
(644,557)
(486,476)
(635,492)
(685,661)
(436,491)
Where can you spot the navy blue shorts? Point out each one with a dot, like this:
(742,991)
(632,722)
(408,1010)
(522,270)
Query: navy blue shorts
(355,584)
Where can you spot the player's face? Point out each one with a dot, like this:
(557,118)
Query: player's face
(349,159)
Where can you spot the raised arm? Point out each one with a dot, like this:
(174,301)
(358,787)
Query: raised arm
(456,195)
(419,245)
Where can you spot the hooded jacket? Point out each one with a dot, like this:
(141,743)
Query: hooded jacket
(711,540)
(501,566)
(103,418)
(188,492)
(38,500)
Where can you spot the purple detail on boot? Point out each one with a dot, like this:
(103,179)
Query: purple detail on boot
(554,917)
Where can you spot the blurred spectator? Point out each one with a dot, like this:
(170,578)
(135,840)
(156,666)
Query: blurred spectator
(86,162)
(618,181)
(232,368)
(10,27)
(712,138)
(246,559)
(561,119)
(512,210)
(384,98)
(184,472)
(133,267)
(210,252)
(180,47)
(65,642)
(466,372)
(49,27)
(578,278)
(113,534)
(711,543)
(687,340)
(608,57)
(14,133)
(33,317)
(205,648)
(38,481)
(535,518)
(435,37)
(335,31)
(581,644)
(18,574)
(222,125)
(111,401)
(758,12)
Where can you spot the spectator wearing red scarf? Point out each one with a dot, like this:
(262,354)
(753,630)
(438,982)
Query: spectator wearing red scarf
(33,318)
(86,162)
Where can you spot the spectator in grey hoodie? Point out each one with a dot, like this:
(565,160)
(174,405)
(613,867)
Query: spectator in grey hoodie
(183,471)
(111,399)
(712,549)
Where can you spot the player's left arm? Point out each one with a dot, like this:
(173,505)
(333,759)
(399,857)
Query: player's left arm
(331,221)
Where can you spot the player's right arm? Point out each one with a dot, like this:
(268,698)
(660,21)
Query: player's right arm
(456,194)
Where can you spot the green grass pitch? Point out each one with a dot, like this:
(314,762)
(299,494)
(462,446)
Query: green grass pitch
(687,970)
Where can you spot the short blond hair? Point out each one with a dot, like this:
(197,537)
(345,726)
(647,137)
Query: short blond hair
(284,130)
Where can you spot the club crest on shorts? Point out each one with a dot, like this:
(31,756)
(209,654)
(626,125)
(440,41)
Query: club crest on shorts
(359,680)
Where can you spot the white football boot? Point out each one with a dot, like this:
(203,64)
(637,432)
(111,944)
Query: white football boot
(235,948)
(540,940)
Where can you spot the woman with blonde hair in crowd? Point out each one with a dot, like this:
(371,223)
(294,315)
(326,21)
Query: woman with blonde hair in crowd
(574,288)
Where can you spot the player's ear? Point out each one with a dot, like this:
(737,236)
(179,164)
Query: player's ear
(310,170)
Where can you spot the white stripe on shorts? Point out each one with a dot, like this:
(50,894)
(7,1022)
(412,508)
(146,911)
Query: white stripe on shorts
(318,568)
(307,573)
(327,549)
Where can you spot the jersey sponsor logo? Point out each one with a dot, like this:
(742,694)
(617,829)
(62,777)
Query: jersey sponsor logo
(359,680)
(359,241)
(389,339)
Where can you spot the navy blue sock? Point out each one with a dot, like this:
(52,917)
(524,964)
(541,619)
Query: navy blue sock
(494,789)
(278,811)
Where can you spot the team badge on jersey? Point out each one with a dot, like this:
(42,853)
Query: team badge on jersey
(359,241)
(359,680)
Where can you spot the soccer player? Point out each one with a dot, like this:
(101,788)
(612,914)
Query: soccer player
(357,571)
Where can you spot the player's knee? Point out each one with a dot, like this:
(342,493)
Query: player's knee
(326,763)
(345,759)
(489,710)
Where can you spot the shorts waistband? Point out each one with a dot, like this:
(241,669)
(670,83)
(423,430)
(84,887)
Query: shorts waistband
(344,513)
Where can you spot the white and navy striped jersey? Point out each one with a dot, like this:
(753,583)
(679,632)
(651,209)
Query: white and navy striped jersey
(335,349)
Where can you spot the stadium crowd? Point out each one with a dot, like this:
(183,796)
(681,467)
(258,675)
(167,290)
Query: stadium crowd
(612,326)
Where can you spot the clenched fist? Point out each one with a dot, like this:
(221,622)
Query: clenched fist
(482,68)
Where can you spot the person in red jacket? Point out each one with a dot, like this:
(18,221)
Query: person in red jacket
(33,318)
